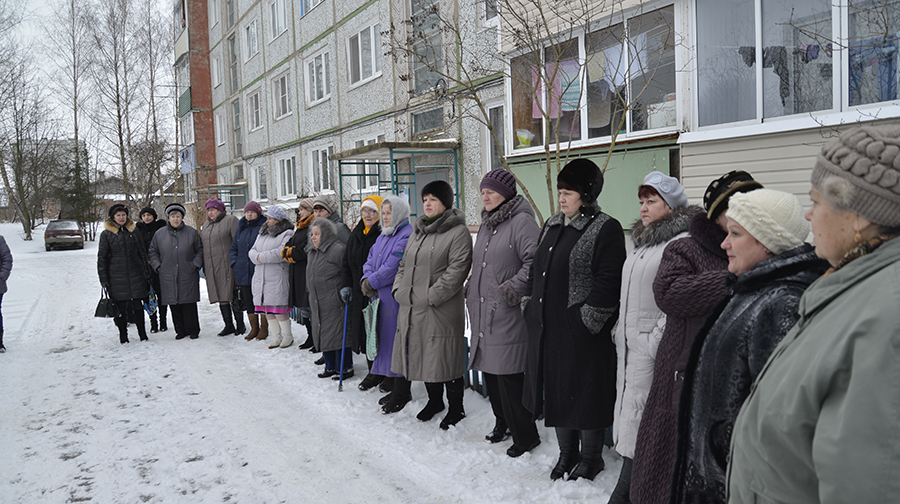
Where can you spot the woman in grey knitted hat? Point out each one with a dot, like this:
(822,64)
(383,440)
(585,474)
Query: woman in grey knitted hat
(820,424)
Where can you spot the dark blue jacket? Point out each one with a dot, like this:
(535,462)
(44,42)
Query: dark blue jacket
(243,242)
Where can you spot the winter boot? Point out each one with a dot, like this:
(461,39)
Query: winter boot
(163,310)
(568,452)
(591,455)
(154,327)
(276,332)
(287,339)
(309,341)
(387,385)
(254,326)
(435,401)
(142,330)
(312,347)
(263,327)
(622,493)
(370,381)
(226,317)
(2,348)
(239,327)
(399,396)
(455,411)
(122,324)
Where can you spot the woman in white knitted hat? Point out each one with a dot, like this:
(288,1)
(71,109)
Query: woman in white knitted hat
(770,267)
(821,422)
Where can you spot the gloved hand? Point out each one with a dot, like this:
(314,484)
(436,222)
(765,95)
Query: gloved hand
(286,253)
(367,289)
(346,295)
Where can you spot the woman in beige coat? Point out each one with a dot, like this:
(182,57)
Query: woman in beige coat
(429,345)
(217,234)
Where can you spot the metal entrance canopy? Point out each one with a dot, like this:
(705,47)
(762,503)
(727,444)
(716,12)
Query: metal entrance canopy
(400,168)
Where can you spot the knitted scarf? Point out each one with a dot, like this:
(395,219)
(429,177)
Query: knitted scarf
(866,247)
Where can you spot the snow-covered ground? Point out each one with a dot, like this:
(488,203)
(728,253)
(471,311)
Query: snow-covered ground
(86,419)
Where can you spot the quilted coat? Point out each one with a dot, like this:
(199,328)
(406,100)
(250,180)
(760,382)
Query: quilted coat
(122,262)
(177,255)
(271,284)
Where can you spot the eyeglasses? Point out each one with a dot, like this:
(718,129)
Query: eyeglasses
(369,211)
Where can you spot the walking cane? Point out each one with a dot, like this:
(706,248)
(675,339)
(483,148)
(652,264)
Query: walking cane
(343,350)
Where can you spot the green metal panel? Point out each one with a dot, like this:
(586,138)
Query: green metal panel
(624,173)
(184,103)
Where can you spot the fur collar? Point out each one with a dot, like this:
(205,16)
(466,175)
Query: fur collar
(218,218)
(708,234)
(507,209)
(277,229)
(302,224)
(800,265)
(452,217)
(110,225)
(663,229)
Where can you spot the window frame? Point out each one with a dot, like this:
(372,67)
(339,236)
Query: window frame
(216,71)
(305,5)
(316,178)
(488,141)
(251,40)
(254,104)
(281,97)
(312,81)
(237,117)
(277,10)
(213,13)
(220,129)
(287,176)
(262,182)
(374,32)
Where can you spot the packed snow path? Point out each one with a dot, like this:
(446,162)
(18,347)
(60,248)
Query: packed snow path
(219,419)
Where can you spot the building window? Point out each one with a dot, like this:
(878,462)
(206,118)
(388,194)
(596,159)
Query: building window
(216,71)
(365,54)
(250,39)
(318,75)
(220,129)
(229,8)
(308,5)
(625,83)
(281,96)
(428,120)
(277,17)
(255,112)
(366,167)
(238,172)
(186,128)
(491,17)
(322,169)
(426,29)
(287,169)
(496,149)
(236,116)
(213,13)
(233,62)
(794,56)
(262,183)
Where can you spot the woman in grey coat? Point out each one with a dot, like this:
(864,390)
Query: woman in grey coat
(6,262)
(430,345)
(217,234)
(176,253)
(271,282)
(325,255)
(501,259)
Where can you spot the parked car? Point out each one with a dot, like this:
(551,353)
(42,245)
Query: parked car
(63,233)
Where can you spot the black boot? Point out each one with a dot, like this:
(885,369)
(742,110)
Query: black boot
(309,341)
(399,396)
(370,381)
(591,455)
(622,493)
(435,401)
(455,411)
(387,385)
(154,326)
(2,348)
(163,310)
(500,433)
(142,330)
(568,452)
(239,327)
(226,317)
(122,324)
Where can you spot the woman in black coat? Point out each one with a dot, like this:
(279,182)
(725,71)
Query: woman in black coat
(361,240)
(123,270)
(295,254)
(146,228)
(574,283)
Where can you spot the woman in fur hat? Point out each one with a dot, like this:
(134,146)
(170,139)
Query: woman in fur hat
(575,276)
(664,217)
(770,266)
(146,228)
(271,282)
(123,269)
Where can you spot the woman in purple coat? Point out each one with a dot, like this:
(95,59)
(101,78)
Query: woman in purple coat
(378,279)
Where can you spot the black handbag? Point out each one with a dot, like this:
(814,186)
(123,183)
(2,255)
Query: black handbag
(106,308)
